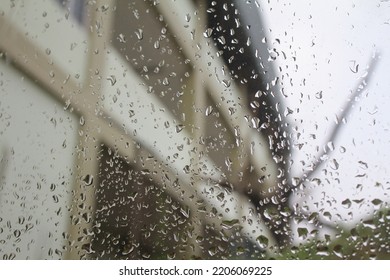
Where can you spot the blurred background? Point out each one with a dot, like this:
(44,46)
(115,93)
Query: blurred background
(194,129)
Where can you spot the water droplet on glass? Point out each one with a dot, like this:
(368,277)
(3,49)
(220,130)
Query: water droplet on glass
(330,146)
(186,169)
(17,233)
(295,181)
(209,110)
(121,38)
(140,34)
(363,164)
(377,201)
(104,7)
(165,81)
(354,67)
(231,110)
(318,95)
(338,250)
(302,232)
(226,83)
(255,122)
(346,203)
(88,180)
(179,128)
(262,241)
(334,164)
(112,79)
(258,93)
(208,32)
(228,224)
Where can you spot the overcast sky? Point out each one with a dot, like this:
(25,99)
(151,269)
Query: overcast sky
(328,45)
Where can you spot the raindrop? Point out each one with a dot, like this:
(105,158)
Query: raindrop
(327,215)
(88,180)
(295,181)
(21,220)
(121,38)
(258,93)
(226,83)
(346,203)
(222,40)
(212,251)
(82,120)
(187,18)
(288,111)
(221,197)
(255,122)
(208,32)
(112,79)
(334,164)
(338,250)
(229,224)
(318,95)
(165,81)
(209,110)
(376,201)
(363,164)
(255,104)
(228,163)
(17,233)
(131,113)
(231,110)
(104,7)
(330,146)
(262,241)
(185,213)
(354,67)
(186,169)
(140,34)
(179,128)
(302,232)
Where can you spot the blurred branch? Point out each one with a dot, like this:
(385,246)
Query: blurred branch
(356,93)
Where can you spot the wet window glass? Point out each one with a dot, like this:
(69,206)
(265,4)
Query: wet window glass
(194,129)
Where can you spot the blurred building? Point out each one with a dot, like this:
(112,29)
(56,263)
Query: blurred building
(126,133)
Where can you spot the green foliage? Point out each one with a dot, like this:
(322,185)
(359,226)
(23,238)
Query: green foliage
(370,239)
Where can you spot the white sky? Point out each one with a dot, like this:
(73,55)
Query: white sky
(328,39)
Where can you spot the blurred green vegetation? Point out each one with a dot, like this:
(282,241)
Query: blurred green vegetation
(370,239)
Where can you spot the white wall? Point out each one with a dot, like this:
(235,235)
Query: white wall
(37,144)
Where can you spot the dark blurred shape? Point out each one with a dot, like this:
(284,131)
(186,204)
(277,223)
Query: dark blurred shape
(240,37)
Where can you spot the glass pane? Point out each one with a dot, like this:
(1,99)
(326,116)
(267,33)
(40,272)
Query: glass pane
(38,139)
(194,129)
